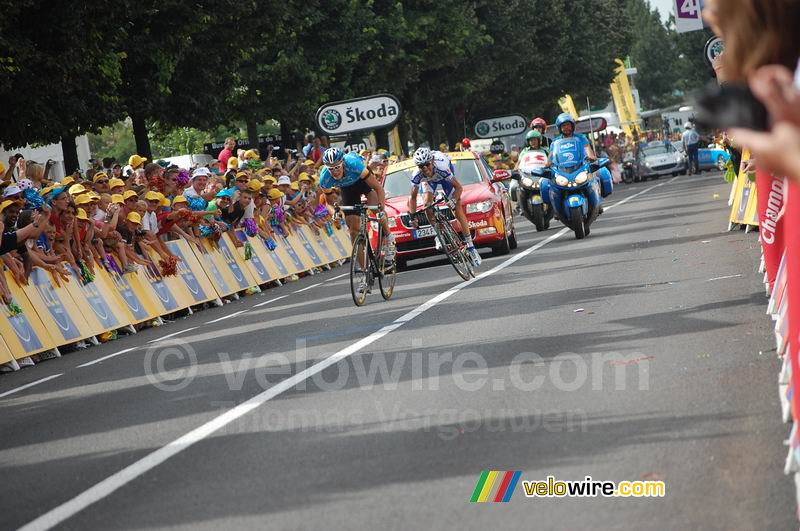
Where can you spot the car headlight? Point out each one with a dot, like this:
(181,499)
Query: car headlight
(527,181)
(481,206)
(582,177)
(562,181)
(392,222)
(647,164)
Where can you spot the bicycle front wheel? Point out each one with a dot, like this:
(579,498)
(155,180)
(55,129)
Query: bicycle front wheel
(388,274)
(451,244)
(359,267)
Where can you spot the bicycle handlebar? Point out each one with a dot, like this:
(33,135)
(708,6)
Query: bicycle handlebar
(358,208)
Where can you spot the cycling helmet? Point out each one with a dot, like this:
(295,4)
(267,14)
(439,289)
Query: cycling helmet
(538,121)
(332,156)
(563,118)
(465,143)
(533,134)
(422,156)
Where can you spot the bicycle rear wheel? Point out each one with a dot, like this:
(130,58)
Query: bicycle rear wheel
(359,267)
(387,273)
(451,244)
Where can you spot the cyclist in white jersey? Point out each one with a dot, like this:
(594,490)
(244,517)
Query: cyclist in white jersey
(435,170)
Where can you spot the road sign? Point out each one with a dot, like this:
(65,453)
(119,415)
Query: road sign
(688,15)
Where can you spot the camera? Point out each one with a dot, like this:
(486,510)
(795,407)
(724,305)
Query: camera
(731,105)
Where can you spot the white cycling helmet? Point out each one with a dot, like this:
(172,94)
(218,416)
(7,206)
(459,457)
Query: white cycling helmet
(422,156)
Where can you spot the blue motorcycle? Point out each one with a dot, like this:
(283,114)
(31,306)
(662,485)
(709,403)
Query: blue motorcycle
(575,193)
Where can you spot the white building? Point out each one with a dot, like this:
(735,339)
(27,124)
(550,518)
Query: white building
(41,154)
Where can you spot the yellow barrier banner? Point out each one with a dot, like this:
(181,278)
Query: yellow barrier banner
(164,292)
(259,264)
(303,250)
(341,240)
(304,237)
(24,333)
(116,304)
(235,262)
(224,271)
(5,352)
(131,294)
(59,313)
(195,282)
(321,241)
(276,258)
(292,261)
(100,299)
(744,207)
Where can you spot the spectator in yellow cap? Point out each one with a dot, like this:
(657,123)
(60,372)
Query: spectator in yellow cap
(116,186)
(77,189)
(136,162)
(101,182)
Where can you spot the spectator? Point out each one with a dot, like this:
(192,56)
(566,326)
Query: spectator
(101,182)
(314,151)
(227,152)
(136,162)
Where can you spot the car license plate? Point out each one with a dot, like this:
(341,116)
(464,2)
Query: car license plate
(424,233)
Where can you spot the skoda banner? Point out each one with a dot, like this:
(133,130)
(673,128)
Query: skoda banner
(501,126)
(380,111)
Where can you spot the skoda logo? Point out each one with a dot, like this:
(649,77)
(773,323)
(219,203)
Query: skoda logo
(332,119)
(482,129)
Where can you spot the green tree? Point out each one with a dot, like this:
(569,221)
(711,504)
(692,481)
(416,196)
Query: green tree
(59,70)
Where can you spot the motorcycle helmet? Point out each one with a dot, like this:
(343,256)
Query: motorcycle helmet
(538,122)
(422,156)
(332,156)
(563,118)
(533,134)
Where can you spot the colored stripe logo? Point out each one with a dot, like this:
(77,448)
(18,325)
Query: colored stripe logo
(495,486)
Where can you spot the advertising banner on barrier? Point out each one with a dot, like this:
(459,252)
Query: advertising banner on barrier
(195,282)
(223,284)
(130,293)
(259,264)
(235,263)
(226,273)
(341,240)
(319,241)
(278,257)
(792,267)
(24,333)
(770,201)
(308,247)
(295,263)
(742,200)
(5,352)
(58,312)
(161,290)
(101,301)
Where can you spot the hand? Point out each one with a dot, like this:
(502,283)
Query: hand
(777,151)
(774,86)
(22,164)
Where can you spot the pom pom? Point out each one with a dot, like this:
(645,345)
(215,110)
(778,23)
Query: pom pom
(248,251)
(86,276)
(280,214)
(113,266)
(14,309)
(169,267)
(32,199)
(254,164)
(329,228)
(321,211)
(183,177)
(250,227)
(196,203)
(271,245)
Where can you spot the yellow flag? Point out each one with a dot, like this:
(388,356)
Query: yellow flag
(568,106)
(623,100)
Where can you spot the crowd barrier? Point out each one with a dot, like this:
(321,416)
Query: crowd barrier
(743,200)
(57,312)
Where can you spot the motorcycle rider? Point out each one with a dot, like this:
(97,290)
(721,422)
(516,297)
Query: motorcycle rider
(534,139)
(566,126)
(539,124)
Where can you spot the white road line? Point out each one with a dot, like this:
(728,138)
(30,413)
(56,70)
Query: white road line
(723,278)
(26,386)
(338,277)
(126,475)
(172,334)
(308,287)
(260,304)
(104,358)
(234,314)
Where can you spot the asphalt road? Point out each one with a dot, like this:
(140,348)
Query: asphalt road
(631,355)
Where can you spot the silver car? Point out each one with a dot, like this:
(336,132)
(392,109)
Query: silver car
(659,158)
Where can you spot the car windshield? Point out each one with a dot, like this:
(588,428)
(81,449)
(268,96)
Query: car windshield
(657,150)
(398,183)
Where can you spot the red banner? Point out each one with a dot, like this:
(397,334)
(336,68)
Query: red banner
(791,220)
(771,198)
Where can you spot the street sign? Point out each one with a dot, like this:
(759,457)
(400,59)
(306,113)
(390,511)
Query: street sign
(713,49)
(688,15)
(380,111)
(514,124)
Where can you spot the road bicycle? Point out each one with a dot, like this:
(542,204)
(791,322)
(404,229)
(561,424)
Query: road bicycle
(452,245)
(366,263)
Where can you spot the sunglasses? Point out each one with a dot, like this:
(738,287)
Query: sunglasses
(102,181)
(426,165)
(335,166)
